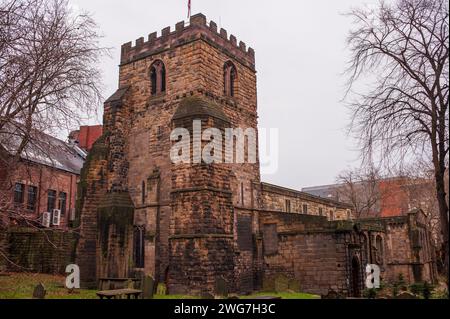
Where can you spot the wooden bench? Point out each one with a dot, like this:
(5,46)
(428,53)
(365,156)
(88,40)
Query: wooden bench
(118,283)
(119,293)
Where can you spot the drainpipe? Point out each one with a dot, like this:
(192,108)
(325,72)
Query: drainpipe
(39,192)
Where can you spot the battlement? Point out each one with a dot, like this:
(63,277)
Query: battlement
(196,29)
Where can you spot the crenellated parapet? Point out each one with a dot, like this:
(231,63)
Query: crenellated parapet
(197,29)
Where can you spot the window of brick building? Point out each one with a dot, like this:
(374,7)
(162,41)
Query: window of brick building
(288,206)
(19,192)
(230,76)
(331,215)
(320,211)
(158,77)
(305,208)
(62,203)
(139,247)
(32,198)
(51,200)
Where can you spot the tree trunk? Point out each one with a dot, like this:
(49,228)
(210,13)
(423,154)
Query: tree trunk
(443,213)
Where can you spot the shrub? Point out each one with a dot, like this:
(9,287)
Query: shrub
(370,293)
(423,289)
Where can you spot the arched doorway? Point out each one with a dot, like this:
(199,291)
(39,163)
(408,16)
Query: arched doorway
(356,277)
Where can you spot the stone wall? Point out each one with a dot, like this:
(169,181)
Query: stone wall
(201,227)
(42,251)
(3,247)
(276,198)
(194,57)
(309,250)
(91,189)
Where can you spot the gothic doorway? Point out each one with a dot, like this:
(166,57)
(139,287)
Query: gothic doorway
(356,277)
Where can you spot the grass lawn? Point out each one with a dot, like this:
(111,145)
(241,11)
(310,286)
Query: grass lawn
(21,286)
(283,295)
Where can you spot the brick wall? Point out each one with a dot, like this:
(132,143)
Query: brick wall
(44,178)
(41,251)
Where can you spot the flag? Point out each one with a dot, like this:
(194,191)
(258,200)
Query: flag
(189,9)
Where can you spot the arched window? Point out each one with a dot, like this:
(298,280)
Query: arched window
(158,77)
(363,242)
(230,76)
(380,252)
(139,247)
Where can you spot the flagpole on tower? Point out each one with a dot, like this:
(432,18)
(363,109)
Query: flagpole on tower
(189,9)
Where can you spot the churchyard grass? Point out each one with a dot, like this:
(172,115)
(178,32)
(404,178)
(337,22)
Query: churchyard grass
(21,286)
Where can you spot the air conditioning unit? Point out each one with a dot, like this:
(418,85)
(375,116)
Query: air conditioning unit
(56,220)
(46,219)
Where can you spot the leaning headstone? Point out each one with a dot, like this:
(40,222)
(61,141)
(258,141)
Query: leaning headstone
(281,283)
(221,287)
(161,290)
(294,285)
(148,286)
(268,284)
(39,292)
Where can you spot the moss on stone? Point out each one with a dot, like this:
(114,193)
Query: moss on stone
(116,209)
(98,152)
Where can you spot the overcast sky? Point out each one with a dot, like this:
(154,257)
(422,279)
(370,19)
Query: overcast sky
(300,56)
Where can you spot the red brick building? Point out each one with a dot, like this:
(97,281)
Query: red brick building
(393,196)
(86,136)
(44,180)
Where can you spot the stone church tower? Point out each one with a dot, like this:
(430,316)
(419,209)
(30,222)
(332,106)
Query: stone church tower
(185,224)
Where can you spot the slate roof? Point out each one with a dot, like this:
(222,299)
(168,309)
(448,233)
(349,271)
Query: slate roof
(43,149)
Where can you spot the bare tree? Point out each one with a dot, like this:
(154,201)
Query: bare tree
(360,188)
(49,78)
(49,75)
(403,47)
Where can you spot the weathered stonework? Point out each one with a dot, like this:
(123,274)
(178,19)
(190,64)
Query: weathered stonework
(204,224)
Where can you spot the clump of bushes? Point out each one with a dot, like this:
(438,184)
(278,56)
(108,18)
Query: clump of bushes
(370,293)
(423,289)
(399,285)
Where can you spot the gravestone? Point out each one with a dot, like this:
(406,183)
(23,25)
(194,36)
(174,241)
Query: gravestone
(294,285)
(281,283)
(148,286)
(221,287)
(39,292)
(268,284)
(161,289)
